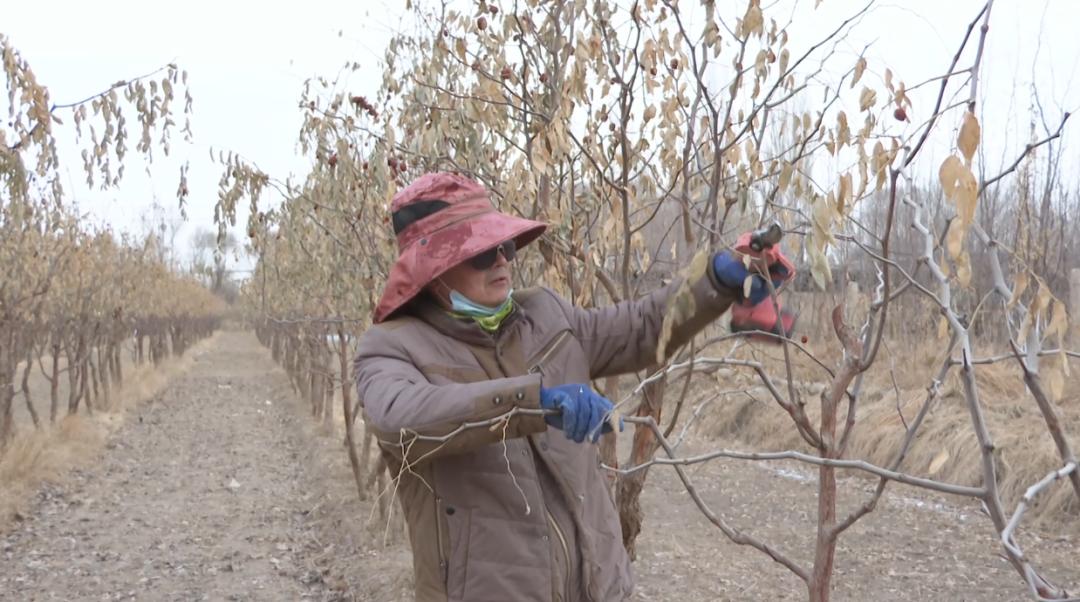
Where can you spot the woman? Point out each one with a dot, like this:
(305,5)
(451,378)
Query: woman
(511,511)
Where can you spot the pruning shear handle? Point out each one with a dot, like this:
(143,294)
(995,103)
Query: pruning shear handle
(763,245)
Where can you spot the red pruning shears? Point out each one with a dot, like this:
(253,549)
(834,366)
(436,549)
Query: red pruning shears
(763,246)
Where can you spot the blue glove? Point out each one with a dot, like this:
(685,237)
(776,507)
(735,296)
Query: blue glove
(731,272)
(583,411)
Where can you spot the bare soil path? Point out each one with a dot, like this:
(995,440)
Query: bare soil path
(220,490)
(201,496)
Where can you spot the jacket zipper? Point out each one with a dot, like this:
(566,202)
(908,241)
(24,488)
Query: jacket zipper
(537,366)
(566,554)
(548,352)
(444,562)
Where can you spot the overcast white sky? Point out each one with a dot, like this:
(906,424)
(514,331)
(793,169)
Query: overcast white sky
(247,62)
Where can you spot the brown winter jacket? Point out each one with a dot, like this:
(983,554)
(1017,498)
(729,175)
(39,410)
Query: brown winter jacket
(516,512)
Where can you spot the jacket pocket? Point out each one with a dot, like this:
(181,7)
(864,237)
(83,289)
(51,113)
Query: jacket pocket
(457,522)
(509,560)
(540,360)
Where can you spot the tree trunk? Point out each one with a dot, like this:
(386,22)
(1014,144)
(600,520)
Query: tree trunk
(300,374)
(365,453)
(85,373)
(316,391)
(290,366)
(328,400)
(7,394)
(103,376)
(73,380)
(26,389)
(346,409)
(820,585)
(91,368)
(54,384)
(117,367)
(609,442)
(7,418)
(644,446)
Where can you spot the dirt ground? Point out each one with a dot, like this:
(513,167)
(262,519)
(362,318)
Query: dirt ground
(220,488)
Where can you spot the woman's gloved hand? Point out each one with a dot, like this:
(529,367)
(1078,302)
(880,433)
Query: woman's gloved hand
(757,255)
(583,411)
(731,272)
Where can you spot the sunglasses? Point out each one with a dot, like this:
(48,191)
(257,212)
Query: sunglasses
(487,259)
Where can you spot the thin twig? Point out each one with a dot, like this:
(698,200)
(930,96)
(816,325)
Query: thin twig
(976,492)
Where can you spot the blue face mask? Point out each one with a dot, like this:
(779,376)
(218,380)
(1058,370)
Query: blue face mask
(463,305)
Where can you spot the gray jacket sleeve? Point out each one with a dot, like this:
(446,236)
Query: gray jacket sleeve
(623,337)
(400,404)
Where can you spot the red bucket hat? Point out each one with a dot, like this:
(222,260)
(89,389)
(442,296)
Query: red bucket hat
(442,219)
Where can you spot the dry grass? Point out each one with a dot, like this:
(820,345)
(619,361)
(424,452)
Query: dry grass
(1025,452)
(37,457)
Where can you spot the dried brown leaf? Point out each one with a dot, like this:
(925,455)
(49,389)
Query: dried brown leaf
(968,140)
(860,67)
(1059,322)
(954,240)
(785,175)
(867,99)
(963,269)
(949,173)
(967,195)
(682,304)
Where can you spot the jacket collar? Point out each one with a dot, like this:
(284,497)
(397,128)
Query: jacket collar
(464,330)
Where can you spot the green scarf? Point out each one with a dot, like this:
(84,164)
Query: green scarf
(490,323)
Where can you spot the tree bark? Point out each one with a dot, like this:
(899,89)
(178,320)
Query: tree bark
(312,384)
(103,376)
(347,412)
(820,583)
(7,418)
(54,384)
(84,389)
(300,375)
(644,446)
(74,388)
(177,340)
(92,369)
(365,454)
(328,400)
(609,442)
(117,366)
(26,389)
(7,393)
